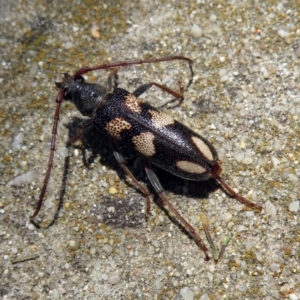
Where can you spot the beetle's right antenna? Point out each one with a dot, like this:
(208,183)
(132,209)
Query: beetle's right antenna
(59,99)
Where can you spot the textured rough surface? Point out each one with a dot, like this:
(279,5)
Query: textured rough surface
(244,98)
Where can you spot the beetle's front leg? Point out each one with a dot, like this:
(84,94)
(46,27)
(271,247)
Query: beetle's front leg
(112,80)
(173,211)
(142,189)
(79,131)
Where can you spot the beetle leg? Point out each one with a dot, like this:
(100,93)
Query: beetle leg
(79,131)
(143,88)
(173,211)
(141,188)
(238,197)
(112,80)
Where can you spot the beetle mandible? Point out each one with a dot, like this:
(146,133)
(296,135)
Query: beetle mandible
(154,135)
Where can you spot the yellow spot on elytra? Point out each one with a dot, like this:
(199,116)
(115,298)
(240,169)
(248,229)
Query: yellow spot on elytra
(144,143)
(116,126)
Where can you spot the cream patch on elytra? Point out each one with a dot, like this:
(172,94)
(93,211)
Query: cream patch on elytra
(203,148)
(116,126)
(133,103)
(190,167)
(160,119)
(144,143)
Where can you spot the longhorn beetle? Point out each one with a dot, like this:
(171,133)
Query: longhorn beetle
(154,135)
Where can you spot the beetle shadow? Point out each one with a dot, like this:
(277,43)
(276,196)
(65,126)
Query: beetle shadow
(95,144)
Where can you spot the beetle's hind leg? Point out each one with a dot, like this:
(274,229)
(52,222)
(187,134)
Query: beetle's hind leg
(173,211)
(142,189)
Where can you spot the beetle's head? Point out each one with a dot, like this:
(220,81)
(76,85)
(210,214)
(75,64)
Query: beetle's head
(86,96)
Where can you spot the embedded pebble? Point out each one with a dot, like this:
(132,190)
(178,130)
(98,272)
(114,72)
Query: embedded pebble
(227,217)
(210,276)
(239,156)
(95,32)
(186,293)
(73,244)
(247,160)
(204,297)
(294,206)
(222,59)
(275,161)
(270,208)
(114,279)
(274,267)
(25,178)
(259,256)
(241,228)
(111,209)
(293,297)
(63,152)
(68,45)
(18,141)
(213,18)
(107,248)
(196,31)
(112,190)
(293,178)
(265,72)
(249,213)
(97,265)
(283,33)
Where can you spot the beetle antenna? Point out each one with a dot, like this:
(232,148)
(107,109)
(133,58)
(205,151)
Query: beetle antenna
(59,99)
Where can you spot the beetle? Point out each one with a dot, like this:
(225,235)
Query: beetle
(154,135)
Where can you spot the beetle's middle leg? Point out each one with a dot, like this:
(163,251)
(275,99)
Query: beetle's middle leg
(178,95)
(173,211)
(142,189)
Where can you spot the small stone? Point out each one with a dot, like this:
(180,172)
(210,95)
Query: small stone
(63,152)
(186,293)
(294,206)
(283,33)
(293,297)
(18,141)
(247,160)
(196,31)
(275,161)
(213,18)
(293,178)
(270,208)
(249,214)
(95,32)
(205,297)
(114,279)
(239,156)
(259,256)
(107,248)
(25,178)
(73,244)
(274,267)
(112,190)
(265,72)
(227,217)
(69,45)
(111,209)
